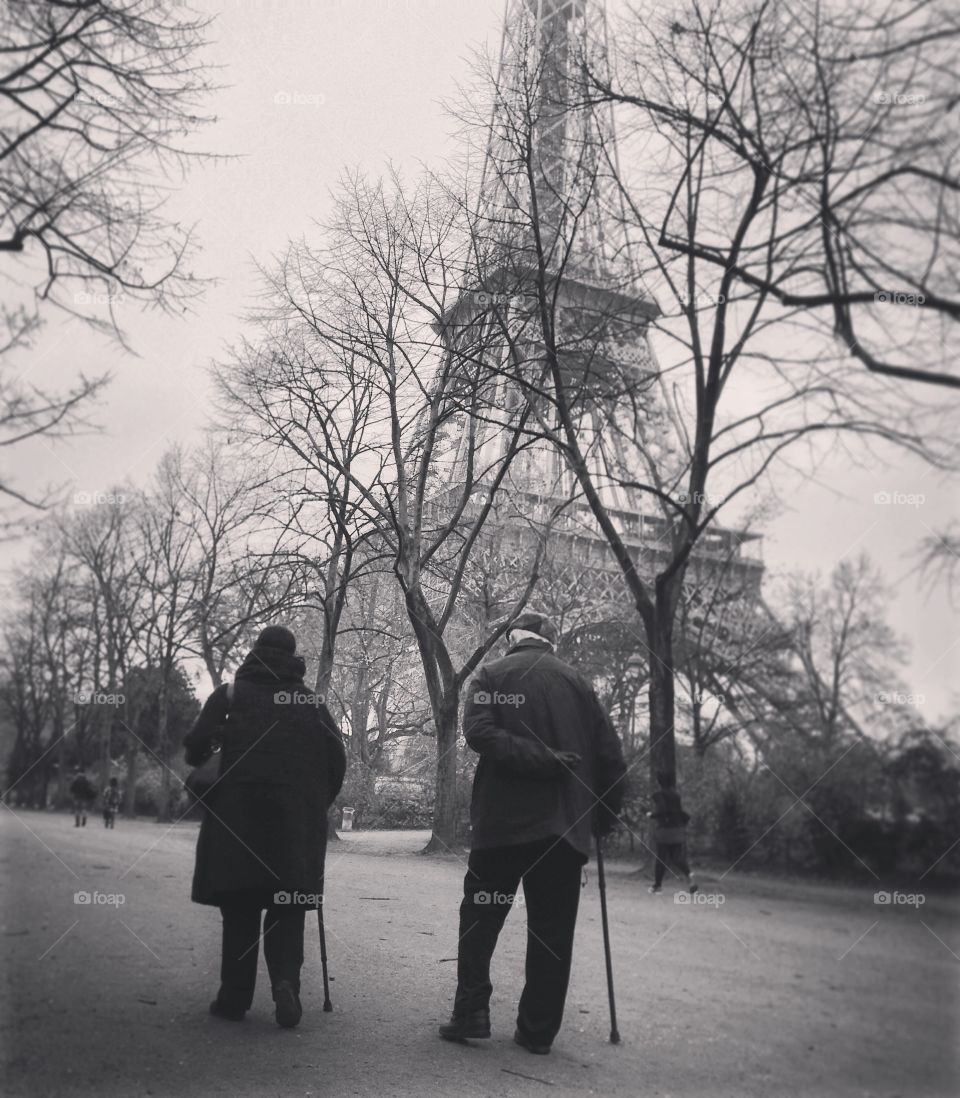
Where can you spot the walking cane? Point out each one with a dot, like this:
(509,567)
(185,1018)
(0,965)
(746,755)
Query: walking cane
(327,1005)
(601,882)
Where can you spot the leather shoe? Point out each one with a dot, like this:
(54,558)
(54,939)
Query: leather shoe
(474,1026)
(525,1042)
(288,1011)
(227,1013)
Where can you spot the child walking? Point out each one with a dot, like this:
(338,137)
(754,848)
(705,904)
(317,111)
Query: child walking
(670,834)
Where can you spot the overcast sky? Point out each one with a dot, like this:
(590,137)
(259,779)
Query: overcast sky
(365,80)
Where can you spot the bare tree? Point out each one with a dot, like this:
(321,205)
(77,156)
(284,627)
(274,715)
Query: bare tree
(242,578)
(27,411)
(939,558)
(813,163)
(97,97)
(101,541)
(745,381)
(846,655)
(360,348)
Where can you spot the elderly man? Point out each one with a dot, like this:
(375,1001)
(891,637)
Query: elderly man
(550,774)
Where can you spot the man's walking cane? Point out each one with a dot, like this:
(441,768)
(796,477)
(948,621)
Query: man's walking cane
(601,882)
(327,1005)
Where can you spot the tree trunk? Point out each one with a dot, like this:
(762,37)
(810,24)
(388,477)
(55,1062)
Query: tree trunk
(324,669)
(130,781)
(106,732)
(444,837)
(63,797)
(663,747)
(132,716)
(359,712)
(163,812)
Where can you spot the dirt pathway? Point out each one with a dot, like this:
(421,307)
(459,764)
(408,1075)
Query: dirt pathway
(779,991)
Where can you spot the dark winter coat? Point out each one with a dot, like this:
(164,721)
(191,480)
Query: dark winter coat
(518,710)
(282,763)
(82,789)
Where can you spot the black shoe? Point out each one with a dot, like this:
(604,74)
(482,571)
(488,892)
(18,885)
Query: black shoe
(227,1013)
(289,1011)
(472,1026)
(525,1042)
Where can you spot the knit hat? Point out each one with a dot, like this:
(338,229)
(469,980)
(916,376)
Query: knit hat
(535,622)
(277,636)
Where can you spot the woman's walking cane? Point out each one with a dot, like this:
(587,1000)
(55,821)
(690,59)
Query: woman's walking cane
(601,881)
(327,1005)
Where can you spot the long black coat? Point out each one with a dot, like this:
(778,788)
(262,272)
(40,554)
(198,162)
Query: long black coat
(282,763)
(519,710)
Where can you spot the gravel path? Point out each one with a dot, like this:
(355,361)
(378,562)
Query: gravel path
(783,990)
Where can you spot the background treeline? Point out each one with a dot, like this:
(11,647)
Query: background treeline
(558,371)
(801,747)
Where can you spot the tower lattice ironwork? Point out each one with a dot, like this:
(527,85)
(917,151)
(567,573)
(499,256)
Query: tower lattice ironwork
(556,213)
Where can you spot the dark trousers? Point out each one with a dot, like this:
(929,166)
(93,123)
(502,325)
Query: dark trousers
(550,871)
(282,947)
(670,854)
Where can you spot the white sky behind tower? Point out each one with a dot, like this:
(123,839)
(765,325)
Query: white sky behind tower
(313,86)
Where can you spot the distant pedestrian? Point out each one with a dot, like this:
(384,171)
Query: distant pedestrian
(264,831)
(84,794)
(550,774)
(670,834)
(111,803)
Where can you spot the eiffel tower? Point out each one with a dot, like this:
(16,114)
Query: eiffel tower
(602,315)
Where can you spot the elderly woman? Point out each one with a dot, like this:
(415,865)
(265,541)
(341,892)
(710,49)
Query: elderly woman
(264,832)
